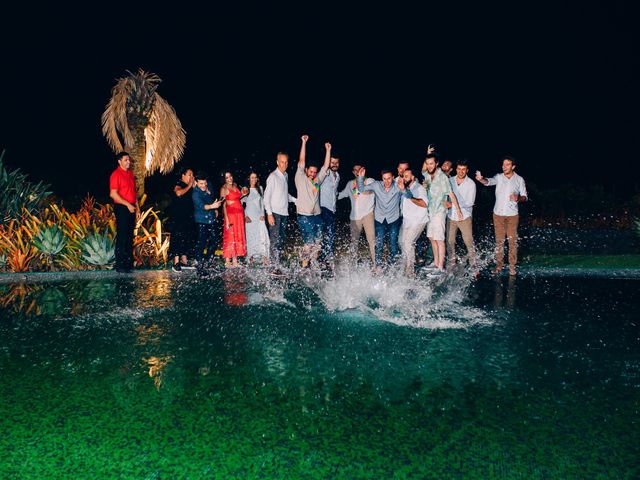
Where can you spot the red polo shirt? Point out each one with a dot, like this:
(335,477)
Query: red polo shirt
(122,181)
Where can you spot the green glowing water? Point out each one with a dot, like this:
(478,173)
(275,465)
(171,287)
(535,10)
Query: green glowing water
(167,376)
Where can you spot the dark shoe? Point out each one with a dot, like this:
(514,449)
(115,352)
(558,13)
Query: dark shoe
(176,267)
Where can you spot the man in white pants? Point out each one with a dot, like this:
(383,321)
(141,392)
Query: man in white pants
(415,216)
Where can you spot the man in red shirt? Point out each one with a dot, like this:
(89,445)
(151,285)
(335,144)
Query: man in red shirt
(122,189)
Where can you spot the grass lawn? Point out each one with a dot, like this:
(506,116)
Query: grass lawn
(582,261)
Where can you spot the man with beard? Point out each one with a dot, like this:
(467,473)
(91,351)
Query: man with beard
(438,192)
(402,166)
(447,167)
(308,182)
(386,213)
(122,190)
(182,222)
(510,191)
(415,216)
(328,200)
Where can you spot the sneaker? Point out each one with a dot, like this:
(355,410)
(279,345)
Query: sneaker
(431,266)
(435,273)
(186,266)
(176,267)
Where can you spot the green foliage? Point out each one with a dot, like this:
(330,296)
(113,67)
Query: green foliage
(50,240)
(98,250)
(18,193)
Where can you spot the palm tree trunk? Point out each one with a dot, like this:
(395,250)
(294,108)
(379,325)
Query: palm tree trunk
(137,151)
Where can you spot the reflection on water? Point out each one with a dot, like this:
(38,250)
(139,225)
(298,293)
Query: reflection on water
(505,292)
(170,374)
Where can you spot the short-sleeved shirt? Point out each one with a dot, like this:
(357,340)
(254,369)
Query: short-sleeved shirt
(413,214)
(437,188)
(307,201)
(504,188)
(123,182)
(182,206)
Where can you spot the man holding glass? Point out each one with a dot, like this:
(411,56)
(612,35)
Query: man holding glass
(510,191)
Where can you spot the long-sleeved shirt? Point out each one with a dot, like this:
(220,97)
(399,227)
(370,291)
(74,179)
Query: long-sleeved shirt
(504,188)
(387,201)
(276,194)
(200,199)
(361,204)
(329,190)
(466,195)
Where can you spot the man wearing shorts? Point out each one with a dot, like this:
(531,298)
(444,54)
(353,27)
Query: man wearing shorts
(438,193)
(308,182)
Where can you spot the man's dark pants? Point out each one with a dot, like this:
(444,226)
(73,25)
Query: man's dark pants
(390,230)
(277,237)
(328,233)
(125,222)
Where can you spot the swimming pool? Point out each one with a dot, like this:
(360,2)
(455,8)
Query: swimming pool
(240,375)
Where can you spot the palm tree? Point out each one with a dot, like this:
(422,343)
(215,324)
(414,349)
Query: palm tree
(141,122)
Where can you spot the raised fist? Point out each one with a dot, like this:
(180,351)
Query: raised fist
(305,138)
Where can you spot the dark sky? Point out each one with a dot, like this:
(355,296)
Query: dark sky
(553,84)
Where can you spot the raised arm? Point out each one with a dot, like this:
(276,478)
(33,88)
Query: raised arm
(302,160)
(360,182)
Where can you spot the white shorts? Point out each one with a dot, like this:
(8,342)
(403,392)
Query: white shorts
(436,227)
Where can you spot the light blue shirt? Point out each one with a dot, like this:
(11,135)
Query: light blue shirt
(329,190)
(387,202)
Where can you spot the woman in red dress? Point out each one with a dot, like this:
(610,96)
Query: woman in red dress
(234,242)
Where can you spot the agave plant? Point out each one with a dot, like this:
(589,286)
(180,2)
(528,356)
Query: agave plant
(98,249)
(152,132)
(50,241)
(18,193)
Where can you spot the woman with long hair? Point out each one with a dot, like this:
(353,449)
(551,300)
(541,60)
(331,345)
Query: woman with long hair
(234,243)
(256,229)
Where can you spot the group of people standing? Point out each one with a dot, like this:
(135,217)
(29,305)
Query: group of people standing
(393,212)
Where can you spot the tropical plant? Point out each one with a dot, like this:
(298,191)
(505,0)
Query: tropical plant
(15,243)
(18,193)
(98,249)
(149,126)
(3,261)
(150,245)
(50,241)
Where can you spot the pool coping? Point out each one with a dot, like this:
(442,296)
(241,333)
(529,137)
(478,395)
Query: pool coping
(11,277)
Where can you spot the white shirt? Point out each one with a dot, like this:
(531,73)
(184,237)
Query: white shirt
(466,195)
(329,190)
(504,188)
(362,204)
(413,214)
(276,194)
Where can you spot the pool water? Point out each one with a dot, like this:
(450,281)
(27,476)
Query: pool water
(241,375)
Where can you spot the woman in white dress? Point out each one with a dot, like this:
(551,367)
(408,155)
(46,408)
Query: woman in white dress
(255,226)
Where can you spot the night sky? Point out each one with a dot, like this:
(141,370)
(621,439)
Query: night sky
(553,84)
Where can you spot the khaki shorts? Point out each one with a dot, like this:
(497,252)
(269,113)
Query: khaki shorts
(436,227)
